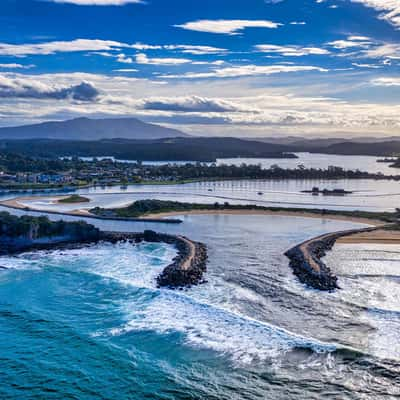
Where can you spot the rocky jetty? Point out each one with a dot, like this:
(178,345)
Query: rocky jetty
(188,266)
(186,269)
(304,265)
(306,259)
(20,234)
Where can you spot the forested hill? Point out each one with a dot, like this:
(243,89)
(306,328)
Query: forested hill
(90,129)
(172,149)
(388,148)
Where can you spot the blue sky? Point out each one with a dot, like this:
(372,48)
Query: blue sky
(210,67)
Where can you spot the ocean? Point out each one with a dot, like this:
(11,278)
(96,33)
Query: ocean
(90,323)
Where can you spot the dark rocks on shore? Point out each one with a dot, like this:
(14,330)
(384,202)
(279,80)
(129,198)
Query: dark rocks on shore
(186,269)
(322,279)
(175,276)
(311,252)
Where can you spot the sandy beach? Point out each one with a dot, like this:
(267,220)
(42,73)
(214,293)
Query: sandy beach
(379,236)
(20,203)
(301,214)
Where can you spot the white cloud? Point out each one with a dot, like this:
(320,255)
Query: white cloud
(122,58)
(59,46)
(184,48)
(365,47)
(297,23)
(386,81)
(247,70)
(142,58)
(16,66)
(195,50)
(372,66)
(352,42)
(386,50)
(98,2)
(291,51)
(227,26)
(217,62)
(126,70)
(143,46)
(359,38)
(100,47)
(390,9)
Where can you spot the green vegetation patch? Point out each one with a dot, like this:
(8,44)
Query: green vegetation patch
(75,198)
(142,208)
(32,228)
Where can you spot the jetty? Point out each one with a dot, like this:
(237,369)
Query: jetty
(306,259)
(27,233)
(185,270)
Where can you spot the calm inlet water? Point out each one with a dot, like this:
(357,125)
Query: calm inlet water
(369,195)
(323,161)
(91,324)
(309,160)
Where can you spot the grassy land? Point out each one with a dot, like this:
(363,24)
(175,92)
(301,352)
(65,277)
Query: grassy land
(74,199)
(142,208)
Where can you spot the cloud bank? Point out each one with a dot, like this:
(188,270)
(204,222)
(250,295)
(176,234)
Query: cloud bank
(191,104)
(29,88)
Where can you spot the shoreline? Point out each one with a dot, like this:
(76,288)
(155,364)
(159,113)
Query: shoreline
(14,205)
(167,217)
(290,213)
(305,258)
(379,236)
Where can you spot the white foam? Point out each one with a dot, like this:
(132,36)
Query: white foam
(208,316)
(243,339)
(136,265)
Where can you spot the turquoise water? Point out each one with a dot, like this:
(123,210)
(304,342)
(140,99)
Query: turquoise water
(90,323)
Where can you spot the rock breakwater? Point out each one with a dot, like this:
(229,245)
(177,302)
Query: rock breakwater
(186,269)
(306,259)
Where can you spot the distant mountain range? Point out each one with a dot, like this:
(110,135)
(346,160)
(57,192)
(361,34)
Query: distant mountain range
(171,149)
(372,146)
(322,142)
(91,129)
(389,148)
(132,138)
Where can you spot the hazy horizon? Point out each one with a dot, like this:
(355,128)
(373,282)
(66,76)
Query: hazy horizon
(255,136)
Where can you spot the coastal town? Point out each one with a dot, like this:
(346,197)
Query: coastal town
(20,172)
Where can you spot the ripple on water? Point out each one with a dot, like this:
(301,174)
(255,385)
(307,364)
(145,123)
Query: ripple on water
(369,275)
